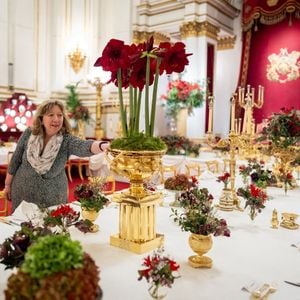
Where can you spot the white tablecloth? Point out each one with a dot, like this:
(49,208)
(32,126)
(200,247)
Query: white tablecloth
(254,252)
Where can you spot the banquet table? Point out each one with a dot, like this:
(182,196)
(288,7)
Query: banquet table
(254,253)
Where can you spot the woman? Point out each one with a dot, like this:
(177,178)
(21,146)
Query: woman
(36,172)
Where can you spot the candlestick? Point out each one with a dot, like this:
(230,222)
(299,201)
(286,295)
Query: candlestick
(210,113)
(232,112)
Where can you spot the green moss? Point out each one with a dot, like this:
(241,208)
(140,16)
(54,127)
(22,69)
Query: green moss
(139,142)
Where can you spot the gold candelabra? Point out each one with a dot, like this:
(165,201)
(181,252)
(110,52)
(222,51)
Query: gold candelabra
(77,59)
(248,102)
(96,82)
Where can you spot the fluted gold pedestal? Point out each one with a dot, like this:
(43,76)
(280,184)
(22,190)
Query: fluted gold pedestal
(137,222)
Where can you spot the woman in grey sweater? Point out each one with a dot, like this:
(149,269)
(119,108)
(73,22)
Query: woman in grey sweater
(36,171)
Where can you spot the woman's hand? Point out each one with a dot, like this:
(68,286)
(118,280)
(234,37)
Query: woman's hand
(6,191)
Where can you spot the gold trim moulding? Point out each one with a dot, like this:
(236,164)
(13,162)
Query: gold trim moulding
(135,247)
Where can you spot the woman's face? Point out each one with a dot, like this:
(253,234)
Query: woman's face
(53,121)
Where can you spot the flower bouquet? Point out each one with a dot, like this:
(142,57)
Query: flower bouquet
(160,271)
(182,94)
(255,199)
(200,220)
(90,195)
(137,67)
(63,217)
(287,179)
(225,178)
(258,173)
(180,182)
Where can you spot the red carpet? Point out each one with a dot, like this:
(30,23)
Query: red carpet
(72,186)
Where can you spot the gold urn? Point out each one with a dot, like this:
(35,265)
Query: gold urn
(90,215)
(137,214)
(200,244)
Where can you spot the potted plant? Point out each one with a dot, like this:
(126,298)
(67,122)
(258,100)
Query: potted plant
(198,218)
(91,198)
(55,267)
(255,198)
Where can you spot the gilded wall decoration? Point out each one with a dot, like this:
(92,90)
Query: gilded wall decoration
(283,67)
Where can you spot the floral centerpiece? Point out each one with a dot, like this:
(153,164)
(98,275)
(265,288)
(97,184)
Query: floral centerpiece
(63,217)
(180,182)
(180,145)
(283,128)
(50,263)
(258,173)
(199,215)
(159,271)
(199,218)
(137,67)
(182,94)
(225,178)
(90,195)
(255,199)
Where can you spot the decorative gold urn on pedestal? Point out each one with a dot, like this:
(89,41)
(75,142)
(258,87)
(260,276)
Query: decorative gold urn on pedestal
(200,244)
(137,215)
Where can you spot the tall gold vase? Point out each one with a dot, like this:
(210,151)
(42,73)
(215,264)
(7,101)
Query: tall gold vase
(137,215)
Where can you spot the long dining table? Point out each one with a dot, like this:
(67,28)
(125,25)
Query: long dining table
(254,254)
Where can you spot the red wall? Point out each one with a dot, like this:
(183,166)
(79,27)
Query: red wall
(267,40)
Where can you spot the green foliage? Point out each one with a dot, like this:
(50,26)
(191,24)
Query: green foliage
(139,142)
(52,254)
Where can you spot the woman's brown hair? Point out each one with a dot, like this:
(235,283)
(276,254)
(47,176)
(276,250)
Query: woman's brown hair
(44,108)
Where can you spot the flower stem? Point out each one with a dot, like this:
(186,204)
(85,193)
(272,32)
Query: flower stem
(154,96)
(147,125)
(122,110)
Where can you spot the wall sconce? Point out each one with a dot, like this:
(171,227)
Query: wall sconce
(77,59)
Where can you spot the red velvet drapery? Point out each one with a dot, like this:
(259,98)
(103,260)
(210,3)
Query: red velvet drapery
(271,53)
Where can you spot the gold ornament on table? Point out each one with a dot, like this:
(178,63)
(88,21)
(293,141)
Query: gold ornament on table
(289,220)
(274,221)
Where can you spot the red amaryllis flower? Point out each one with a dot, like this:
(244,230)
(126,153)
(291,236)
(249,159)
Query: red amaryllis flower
(114,56)
(175,58)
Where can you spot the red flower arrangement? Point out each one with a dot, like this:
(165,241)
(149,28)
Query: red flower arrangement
(182,94)
(138,67)
(180,182)
(287,179)
(63,216)
(160,271)
(225,179)
(255,198)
